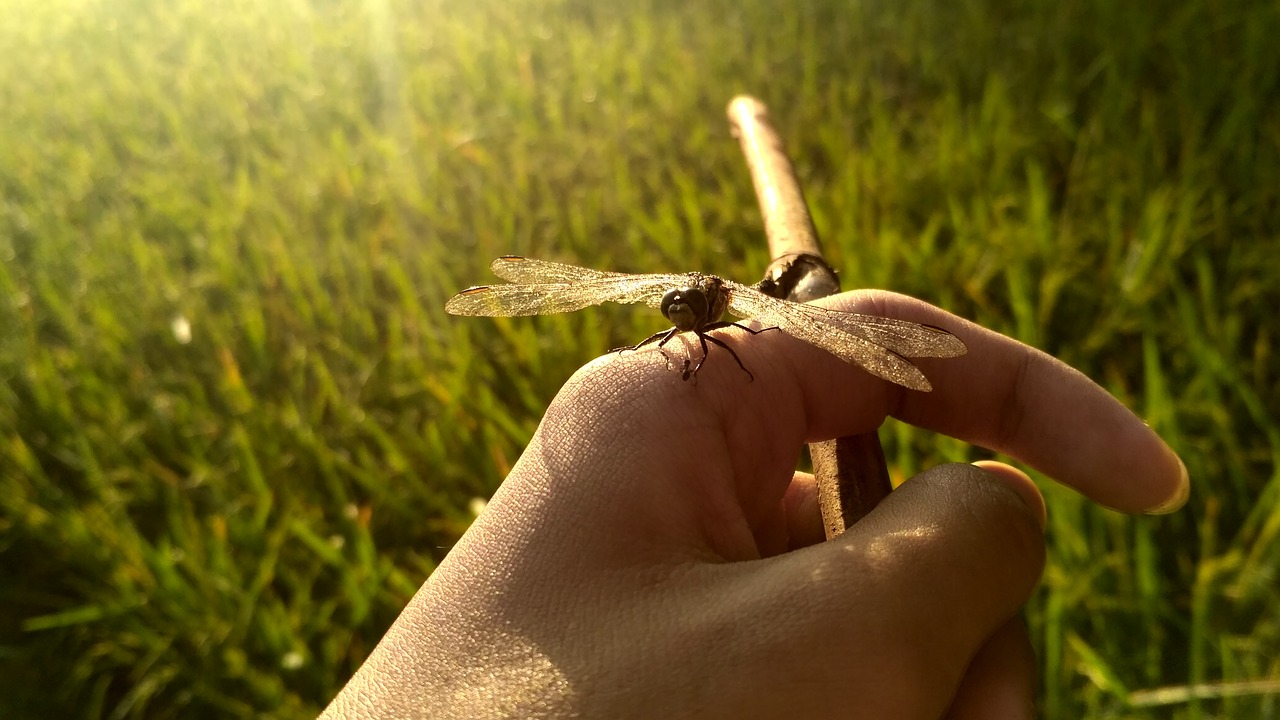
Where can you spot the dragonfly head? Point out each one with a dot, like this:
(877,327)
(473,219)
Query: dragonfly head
(686,308)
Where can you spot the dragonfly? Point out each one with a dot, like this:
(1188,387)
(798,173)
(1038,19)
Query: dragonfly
(696,302)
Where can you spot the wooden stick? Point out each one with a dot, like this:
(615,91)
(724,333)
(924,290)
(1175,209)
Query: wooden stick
(851,472)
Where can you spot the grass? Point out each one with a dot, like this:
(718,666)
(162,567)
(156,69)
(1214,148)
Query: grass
(224,526)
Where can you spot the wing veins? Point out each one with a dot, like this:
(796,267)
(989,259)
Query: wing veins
(517,299)
(903,337)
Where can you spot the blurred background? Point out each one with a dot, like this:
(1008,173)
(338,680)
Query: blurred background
(237,430)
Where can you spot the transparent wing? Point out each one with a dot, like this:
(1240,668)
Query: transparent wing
(901,336)
(557,297)
(881,345)
(528,271)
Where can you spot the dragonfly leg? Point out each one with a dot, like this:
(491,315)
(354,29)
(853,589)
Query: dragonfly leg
(753,331)
(702,339)
(684,372)
(664,334)
(667,335)
(717,341)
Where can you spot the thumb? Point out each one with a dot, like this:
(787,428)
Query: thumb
(884,621)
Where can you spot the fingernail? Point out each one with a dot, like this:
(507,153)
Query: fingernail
(1021,483)
(1179,497)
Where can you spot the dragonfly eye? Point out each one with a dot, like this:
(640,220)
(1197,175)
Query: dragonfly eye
(686,308)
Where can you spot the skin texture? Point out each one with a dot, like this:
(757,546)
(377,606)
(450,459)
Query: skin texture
(654,554)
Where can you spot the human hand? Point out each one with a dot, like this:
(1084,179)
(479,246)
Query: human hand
(654,554)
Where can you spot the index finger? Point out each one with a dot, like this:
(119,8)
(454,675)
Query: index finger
(1009,397)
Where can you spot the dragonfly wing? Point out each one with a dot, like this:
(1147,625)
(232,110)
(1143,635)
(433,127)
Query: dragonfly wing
(529,271)
(516,300)
(879,345)
(903,337)
(877,360)
(647,289)
(549,298)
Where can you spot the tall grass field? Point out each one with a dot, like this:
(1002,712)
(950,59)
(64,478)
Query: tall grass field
(238,431)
